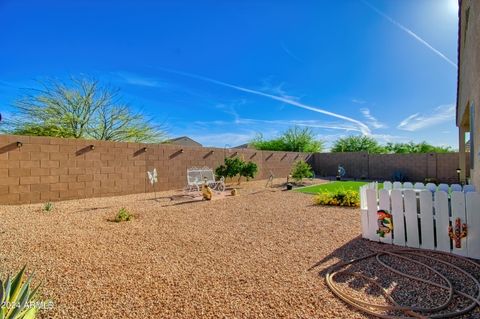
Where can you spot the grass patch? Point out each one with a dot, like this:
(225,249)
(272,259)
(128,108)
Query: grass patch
(335,187)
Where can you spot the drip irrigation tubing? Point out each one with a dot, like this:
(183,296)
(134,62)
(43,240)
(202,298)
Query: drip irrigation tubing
(410,256)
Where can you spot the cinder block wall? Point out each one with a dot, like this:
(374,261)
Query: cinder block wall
(51,169)
(416,167)
(355,164)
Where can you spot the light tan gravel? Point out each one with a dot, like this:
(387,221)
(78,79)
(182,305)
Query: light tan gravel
(240,257)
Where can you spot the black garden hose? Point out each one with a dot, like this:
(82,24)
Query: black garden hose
(408,311)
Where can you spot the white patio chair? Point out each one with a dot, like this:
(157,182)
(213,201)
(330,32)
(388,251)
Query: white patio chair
(419,185)
(397,185)
(431,187)
(443,188)
(387,185)
(407,185)
(456,187)
(468,189)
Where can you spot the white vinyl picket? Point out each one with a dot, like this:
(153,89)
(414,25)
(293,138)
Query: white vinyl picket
(398,218)
(411,218)
(384,203)
(387,185)
(407,185)
(421,218)
(364,221)
(363,197)
(473,220)
(419,186)
(458,211)
(442,221)
(426,220)
(372,214)
(397,185)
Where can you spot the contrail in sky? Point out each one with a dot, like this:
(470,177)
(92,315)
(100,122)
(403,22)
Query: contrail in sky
(410,32)
(363,128)
(289,53)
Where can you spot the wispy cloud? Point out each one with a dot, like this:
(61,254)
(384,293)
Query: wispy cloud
(417,121)
(376,124)
(359,101)
(385,138)
(360,125)
(135,79)
(230,139)
(262,124)
(277,89)
(411,33)
(289,53)
(230,109)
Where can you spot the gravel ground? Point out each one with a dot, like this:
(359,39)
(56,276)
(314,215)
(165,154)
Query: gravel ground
(249,256)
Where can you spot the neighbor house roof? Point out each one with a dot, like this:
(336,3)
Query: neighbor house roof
(246,145)
(183,140)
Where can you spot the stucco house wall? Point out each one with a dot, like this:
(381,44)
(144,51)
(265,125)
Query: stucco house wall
(468,97)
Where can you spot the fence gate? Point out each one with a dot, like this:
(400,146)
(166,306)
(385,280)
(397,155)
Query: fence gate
(440,220)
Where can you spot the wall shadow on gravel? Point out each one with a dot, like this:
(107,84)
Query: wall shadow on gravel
(405,291)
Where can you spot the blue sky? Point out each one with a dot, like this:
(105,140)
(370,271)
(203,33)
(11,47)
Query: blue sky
(224,71)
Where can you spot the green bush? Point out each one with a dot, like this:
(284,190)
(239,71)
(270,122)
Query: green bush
(123,215)
(249,170)
(236,166)
(301,170)
(339,197)
(17,299)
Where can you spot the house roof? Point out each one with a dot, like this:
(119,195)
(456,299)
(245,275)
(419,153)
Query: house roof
(183,139)
(246,145)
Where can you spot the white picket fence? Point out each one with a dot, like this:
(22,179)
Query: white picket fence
(421,218)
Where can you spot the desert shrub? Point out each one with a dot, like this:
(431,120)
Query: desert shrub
(123,215)
(48,207)
(237,167)
(17,299)
(301,170)
(339,197)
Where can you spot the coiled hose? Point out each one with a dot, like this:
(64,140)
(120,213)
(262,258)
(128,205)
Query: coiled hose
(408,312)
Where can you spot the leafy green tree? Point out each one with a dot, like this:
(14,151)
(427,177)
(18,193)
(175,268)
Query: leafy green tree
(411,147)
(236,166)
(295,139)
(357,143)
(230,168)
(248,170)
(301,170)
(80,108)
